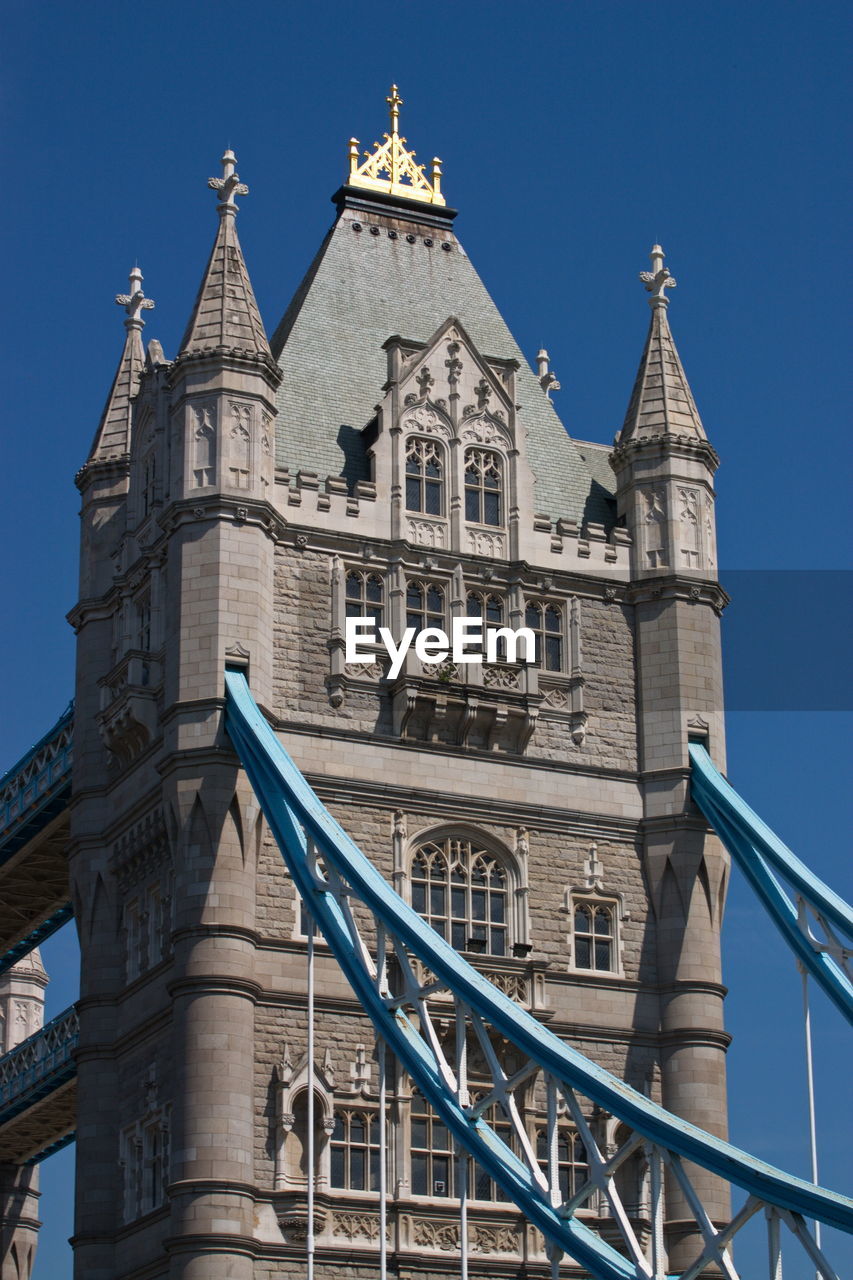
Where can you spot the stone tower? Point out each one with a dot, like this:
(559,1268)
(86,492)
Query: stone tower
(21,1015)
(389,454)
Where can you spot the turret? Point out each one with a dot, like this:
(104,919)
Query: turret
(664,466)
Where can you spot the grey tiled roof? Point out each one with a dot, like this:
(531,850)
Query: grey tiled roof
(225,312)
(112,439)
(661,400)
(361,289)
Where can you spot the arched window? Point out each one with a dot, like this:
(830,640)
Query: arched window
(433,1162)
(461,890)
(572,1164)
(594,928)
(490,609)
(355,1150)
(424,605)
(483,487)
(424,476)
(546,622)
(365,596)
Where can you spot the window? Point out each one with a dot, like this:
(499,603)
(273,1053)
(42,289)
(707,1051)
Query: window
(481,1186)
(594,936)
(461,890)
(490,609)
(145,1165)
(424,476)
(143,622)
(546,623)
(431,1151)
(573,1170)
(424,605)
(483,487)
(365,594)
(148,483)
(355,1151)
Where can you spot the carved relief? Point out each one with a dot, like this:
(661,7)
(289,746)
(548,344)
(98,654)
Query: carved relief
(655,527)
(483,543)
(483,428)
(710,540)
(357,1226)
(204,445)
(691,535)
(240,445)
(427,533)
(501,677)
(427,419)
(435,1235)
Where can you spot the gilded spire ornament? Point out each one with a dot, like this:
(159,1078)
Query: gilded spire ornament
(658,279)
(390,167)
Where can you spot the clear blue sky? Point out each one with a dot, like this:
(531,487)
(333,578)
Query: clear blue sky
(573,135)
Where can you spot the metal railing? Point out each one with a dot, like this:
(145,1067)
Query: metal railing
(37,786)
(38,1065)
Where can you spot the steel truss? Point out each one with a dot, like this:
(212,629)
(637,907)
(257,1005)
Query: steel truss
(400,968)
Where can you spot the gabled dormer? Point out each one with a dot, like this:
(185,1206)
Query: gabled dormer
(446,445)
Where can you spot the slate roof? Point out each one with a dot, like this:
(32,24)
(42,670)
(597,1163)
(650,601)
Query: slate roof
(361,289)
(112,438)
(661,400)
(225,312)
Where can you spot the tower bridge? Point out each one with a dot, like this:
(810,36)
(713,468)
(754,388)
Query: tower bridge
(389,973)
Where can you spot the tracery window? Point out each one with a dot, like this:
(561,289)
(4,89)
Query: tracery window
(145,1165)
(424,605)
(572,1165)
(355,1150)
(424,476)
(490,609)
(594,930)
(461,890)
(433,1164)
(365,596)
(483,487)
(546,622)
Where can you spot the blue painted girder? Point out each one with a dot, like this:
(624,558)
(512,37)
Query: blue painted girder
(755,848)
(290,806)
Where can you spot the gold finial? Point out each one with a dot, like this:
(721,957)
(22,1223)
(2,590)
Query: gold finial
(391,167)
(395,102)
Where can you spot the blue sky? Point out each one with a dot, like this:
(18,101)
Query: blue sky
(573,135)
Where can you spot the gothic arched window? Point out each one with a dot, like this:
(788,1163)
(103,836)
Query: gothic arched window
(572,1162)
(594,931)
(490,609)
(424,476)
(365,596)
(546,622)
(355,1150)
(424,605)
(483,487)
(461,890)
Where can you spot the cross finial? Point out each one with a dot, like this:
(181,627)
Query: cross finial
(135,301)
(395,102)
(658,279)
(229,185)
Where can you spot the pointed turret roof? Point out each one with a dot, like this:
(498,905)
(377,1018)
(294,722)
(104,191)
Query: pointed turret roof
(112,439)
(661,402)
(225,312)
(391,264)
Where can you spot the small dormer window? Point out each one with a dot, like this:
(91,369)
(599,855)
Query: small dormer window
(483,487)
(424,476)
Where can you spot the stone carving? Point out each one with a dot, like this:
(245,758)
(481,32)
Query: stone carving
(427,533)
(356,1226)
(710,548)
(424,380)
(690,529)
(483,543)
(501,677)
(435,1235)
(453,364)
(513,985)
(655,522)
(485,429)
(364,671)
(427,419)
(494,1239)
(204,445)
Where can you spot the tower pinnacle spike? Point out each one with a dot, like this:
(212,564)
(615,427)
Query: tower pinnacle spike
(395,102)
(229,185)
(658,279)
(135,301)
